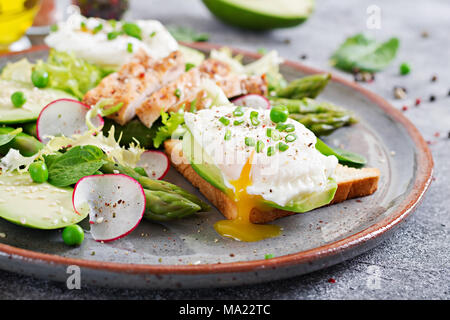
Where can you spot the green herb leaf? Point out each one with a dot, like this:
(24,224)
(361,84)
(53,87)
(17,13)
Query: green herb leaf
(76,163)
(188,66)
(348,158)
(365,54)
(186,34)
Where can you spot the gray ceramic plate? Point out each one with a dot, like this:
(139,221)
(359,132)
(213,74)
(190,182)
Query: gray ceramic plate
(189,253)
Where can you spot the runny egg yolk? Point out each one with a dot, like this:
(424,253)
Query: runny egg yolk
(241,228)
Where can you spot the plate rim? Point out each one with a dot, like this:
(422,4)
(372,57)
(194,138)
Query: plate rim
(423,179)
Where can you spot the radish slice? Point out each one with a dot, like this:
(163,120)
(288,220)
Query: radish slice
(63,117)
(155,163)
(115,202)
(255,101)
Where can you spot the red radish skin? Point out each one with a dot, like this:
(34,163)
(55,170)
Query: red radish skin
(155,163)
(252,100)
(127,179)
(43,123)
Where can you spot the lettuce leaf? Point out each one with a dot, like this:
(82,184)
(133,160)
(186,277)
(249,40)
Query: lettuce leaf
(71,74)
(170,124)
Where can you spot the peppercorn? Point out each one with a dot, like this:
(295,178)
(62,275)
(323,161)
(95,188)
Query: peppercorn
(432,98)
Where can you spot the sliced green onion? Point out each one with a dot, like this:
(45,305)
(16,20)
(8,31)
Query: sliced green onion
(259,146)
(54,28)
(269,132)
(282,146)
(254,118)
(224,120)
(289,127)
(112,22)
(238,112)
(227,135)
(275,135)
(249,142)
(281,126)
(130,47)
(193,105)
(290,137)
(271,151)
(238,122)
(152,34)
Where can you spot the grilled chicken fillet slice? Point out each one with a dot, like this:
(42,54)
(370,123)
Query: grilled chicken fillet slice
(135,81)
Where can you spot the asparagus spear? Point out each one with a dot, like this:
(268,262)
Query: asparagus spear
(26,144)
(164,206)
(305,105)
(324,123)
(154,185)
(30,128)
(309,87)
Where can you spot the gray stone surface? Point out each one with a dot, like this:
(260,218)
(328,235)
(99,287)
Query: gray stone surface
(415,262)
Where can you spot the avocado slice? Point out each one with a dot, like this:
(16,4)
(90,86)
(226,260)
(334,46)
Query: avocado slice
(36,100)
(261,14)
(36,205)
(202,163)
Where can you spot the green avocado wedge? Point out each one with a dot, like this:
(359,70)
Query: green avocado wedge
(261,14)
(344,157)
(36,100)
(36,205)
(203,165)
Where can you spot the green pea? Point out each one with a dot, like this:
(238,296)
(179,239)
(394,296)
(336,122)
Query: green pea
(238,112)
(18,99)
(39,78)
(291,137)
(404,69)
(38,171)
(279,113)
(73,235)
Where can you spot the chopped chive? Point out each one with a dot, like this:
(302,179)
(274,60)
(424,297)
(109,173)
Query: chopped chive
(290,137)
(177,93)
(259,146)
(269,132)
(289,127)
(275,135)
(188,66)
(152,34)
(271,151)
(249,142)
(227,135)
(280,126)
(282,146)
(130,47)
(254,118)
(97,28)
(238,112)
(238,122)
(224,120)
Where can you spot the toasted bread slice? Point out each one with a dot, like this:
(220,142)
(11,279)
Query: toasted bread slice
(351,182)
